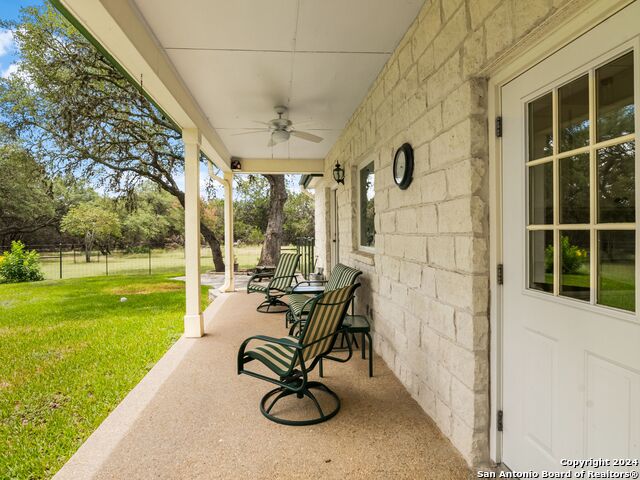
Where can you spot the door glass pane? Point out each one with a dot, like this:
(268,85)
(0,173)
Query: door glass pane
(541,194)
(614,93)
(540,127)
(574,189)
(616,183)
(573,112)
(574,264)
(541,260)
(616,267)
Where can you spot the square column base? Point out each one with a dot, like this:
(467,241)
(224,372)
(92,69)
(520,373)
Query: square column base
(194,326)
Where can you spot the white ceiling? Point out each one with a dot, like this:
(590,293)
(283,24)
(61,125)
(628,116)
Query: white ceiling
(240,58)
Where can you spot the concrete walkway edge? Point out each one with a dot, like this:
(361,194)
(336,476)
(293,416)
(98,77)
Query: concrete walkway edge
(86,462)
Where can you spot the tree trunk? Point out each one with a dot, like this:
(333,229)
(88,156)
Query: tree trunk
(273,235)
(214,245)
(207,234)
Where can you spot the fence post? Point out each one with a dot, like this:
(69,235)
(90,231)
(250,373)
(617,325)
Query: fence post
(106,262)
(61,261)
(149,259)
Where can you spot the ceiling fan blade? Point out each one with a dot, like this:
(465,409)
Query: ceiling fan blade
(271,142)
(262,130)
(307,136)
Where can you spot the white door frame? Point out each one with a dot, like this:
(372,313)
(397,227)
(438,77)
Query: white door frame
(334,229)
(548,39)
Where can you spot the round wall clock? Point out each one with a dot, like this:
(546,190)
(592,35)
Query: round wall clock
(403,166)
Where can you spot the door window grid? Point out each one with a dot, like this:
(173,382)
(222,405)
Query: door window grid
(554,159)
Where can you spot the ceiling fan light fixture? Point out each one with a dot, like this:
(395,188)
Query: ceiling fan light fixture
(279,136)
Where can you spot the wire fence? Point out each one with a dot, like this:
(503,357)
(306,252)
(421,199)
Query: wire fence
(73,261)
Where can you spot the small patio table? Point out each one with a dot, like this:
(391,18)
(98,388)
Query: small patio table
(352,325)
(308,288)
(360,324)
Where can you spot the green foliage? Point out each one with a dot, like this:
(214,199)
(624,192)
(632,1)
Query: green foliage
(26,197)
(78,113)
(251,203)
(95,222)
(247,234)
(572,257)
(149,216)
(20,265)
(80,117)
(298,217)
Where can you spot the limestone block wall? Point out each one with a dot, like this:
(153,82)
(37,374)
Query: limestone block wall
(427,284)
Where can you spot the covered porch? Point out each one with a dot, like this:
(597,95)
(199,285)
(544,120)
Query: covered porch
(193,417)
(409,97)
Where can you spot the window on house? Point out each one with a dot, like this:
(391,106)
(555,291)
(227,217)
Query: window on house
(367,210)
(582,194)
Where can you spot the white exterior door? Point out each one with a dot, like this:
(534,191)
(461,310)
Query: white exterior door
(571,338)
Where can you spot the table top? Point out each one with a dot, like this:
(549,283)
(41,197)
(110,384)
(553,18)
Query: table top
(356,323)
(308,289)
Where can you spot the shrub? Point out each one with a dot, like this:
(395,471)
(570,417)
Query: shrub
(20,265)
(572,257)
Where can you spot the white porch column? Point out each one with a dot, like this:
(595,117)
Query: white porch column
(193,320)
(229,274)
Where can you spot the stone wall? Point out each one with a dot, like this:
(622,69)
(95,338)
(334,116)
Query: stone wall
(427,285)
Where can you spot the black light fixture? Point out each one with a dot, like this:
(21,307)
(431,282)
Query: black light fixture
(338,173)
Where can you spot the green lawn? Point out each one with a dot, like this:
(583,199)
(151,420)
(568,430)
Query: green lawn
(616,288)
(137,263)
(70,351)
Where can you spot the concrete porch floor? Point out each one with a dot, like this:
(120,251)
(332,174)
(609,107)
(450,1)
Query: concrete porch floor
(193,417)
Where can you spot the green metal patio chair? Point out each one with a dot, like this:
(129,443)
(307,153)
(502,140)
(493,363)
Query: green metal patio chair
(292,358)
(341,276)
(279,282)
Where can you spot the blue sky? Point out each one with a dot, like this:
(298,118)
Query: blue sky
(9,10)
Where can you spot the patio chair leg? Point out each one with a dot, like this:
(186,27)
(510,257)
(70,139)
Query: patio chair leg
(315,401)
(282,392)
(273,305)
(370,352)
(320,369)
(363,345)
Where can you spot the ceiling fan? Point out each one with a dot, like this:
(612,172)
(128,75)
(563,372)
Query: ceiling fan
(281,129)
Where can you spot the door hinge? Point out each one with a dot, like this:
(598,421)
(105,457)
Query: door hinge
(498,127)
(500,274)
(499,421)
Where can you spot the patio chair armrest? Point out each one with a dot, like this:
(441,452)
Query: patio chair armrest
(296,323)
(260,276)
(269,287)
(280,341)
(265,338)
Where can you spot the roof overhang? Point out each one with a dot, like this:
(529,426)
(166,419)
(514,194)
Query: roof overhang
(178,52)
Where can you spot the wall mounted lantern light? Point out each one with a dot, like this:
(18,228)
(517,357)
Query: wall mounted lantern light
(338,173)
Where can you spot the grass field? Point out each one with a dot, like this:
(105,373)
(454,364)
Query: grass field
(616,286)
(118,263)
(69,353)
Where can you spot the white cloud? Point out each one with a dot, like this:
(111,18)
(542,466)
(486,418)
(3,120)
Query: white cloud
(10,70)
(7,42)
